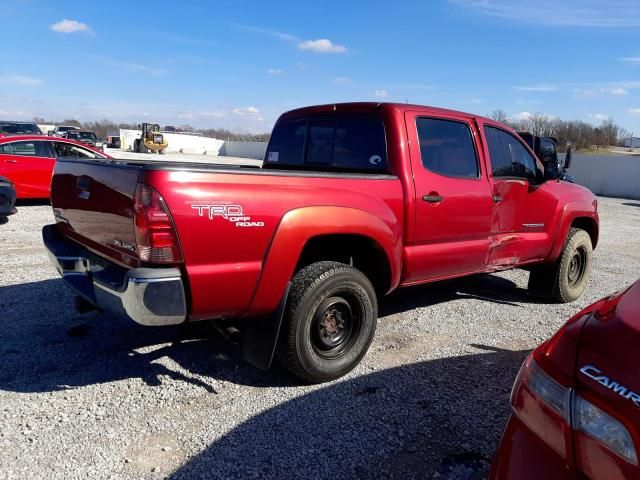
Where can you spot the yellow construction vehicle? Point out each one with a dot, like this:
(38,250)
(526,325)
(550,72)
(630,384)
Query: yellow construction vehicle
(151,139)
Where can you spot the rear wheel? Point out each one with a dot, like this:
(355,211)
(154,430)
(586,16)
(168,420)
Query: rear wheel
(329,321)
(566,279)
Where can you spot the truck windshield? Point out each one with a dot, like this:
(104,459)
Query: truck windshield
(19,128)
(82,136)
(341,143)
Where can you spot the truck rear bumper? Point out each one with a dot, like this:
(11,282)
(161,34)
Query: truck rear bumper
(148,296)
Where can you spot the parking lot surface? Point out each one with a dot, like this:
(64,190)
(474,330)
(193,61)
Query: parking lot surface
(94,396)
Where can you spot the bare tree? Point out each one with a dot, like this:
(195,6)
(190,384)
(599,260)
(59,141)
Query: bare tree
(499,116)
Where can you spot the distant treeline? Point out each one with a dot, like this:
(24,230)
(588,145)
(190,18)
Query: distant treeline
(102,128)
(577,133)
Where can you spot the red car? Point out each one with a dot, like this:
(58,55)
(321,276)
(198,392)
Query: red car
(352,202)
(576,401)
(28,161)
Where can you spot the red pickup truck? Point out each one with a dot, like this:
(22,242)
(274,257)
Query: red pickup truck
(352,201)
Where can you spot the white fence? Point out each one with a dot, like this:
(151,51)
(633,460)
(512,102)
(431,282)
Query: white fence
(608,175)
(244,149)
(178,143)
(181,143)
(46,128)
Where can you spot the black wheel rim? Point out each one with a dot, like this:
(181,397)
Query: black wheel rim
(577,266)
(335,326)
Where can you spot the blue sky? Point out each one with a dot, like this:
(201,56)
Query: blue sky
(239,64)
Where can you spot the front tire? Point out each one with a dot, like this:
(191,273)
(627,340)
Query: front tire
(566,279)
(329,321)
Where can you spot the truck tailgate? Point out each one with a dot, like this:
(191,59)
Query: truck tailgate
(93,203)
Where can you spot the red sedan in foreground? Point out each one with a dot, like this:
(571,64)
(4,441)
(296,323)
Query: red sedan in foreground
(28,161)
(576,401)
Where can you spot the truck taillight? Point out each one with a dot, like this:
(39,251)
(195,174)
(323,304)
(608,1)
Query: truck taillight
(156,237)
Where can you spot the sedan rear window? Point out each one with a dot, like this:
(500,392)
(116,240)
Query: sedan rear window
(344,143)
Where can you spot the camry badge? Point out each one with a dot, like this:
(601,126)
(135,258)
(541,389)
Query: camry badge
(596,374)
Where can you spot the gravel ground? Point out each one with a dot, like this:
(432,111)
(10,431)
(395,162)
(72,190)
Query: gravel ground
(94,396)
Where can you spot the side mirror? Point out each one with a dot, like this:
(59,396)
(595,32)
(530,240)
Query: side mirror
(567,158)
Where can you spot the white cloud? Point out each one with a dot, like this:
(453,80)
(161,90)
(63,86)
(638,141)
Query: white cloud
(274,71)
(536,88)
(381,93)
(598,116)
(246,111)
(584,92)
(583,13)
(522,116)
(342,80)
(136,67)
(630,59)
(287,37)
(322,45)
(70,26)
(185,116)
(15,113)
(615,91)
(635,111)
(213,114)
(20,80)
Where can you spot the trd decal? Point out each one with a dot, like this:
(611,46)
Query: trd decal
(231,213)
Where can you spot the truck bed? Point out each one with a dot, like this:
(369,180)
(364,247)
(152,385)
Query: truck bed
(225,216)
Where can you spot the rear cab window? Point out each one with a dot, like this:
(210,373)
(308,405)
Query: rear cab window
(447,148)
(342,143)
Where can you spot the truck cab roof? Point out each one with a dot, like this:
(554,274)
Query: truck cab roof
(374,107)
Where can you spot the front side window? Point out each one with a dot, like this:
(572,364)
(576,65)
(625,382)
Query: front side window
(509,158)
(62,149)
(446,148)
(352,143)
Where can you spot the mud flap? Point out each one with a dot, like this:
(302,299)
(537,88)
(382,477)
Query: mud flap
(261,336)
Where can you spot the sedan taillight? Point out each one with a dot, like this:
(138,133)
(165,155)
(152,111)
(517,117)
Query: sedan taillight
(557,414)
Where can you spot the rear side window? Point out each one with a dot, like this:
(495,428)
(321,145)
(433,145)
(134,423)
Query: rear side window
(27,149)
(509,158)
(333,143)
(446,148)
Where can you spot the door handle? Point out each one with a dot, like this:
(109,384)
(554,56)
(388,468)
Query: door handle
(497,198)
(432,198)
(11,161)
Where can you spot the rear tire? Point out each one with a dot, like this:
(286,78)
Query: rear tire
(566,279)
(329,321)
